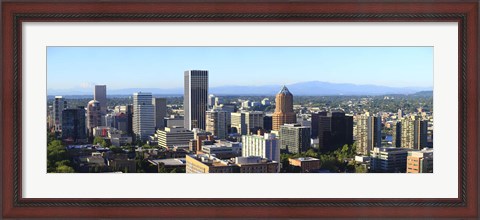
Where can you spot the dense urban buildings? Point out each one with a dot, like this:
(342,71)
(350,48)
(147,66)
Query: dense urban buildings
(195,98)
(201,133)
(284,113)
(143,115)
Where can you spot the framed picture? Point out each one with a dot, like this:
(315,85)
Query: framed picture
(373,71)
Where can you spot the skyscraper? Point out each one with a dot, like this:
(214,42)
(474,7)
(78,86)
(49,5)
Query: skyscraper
(413,132)
(216,122)
(335,130)
(368,133)
(94,116)
(143,115)
(58,105)
(160,112)
(73,125)
(195,98)
(129,113)
(284,113)
(396,134)
(100,94)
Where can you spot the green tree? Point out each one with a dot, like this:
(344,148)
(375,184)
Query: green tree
(101,141)
(360,169)
(64,169)
(56,153)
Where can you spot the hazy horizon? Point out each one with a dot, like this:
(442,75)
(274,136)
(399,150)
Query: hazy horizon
(75,68)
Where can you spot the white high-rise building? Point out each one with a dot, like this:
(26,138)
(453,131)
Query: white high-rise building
(195,97)
(265,146)
(143,115)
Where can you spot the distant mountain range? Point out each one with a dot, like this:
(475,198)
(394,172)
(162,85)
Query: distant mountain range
(301,89)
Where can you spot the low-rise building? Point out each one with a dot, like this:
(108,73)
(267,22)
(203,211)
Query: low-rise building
(169,164)
(204,163)
(420,161)
(388,160)
(170,137)
(306,164)
(223,149)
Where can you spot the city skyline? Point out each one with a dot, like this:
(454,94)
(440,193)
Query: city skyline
(82,67)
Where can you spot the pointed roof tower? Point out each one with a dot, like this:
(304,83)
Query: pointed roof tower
(284,91)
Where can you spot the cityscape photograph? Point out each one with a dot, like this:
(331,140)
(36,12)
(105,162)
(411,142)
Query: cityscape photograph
(207,109)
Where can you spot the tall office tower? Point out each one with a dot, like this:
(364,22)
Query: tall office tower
(265,146)
(160,112)
(368,133)
(100,94)
(216,123)
(143,115)
(94,116)
(58,105)
(195,98)
(294,138)
(284,113)
(211,101)
(396,134)
(315,117)
(247,122)
(73,125)
(335,130)
(414,133)
(129,112)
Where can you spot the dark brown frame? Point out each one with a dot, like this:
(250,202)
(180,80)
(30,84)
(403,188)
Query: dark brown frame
(463,12)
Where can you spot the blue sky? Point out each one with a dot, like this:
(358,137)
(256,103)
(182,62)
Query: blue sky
(163,67)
